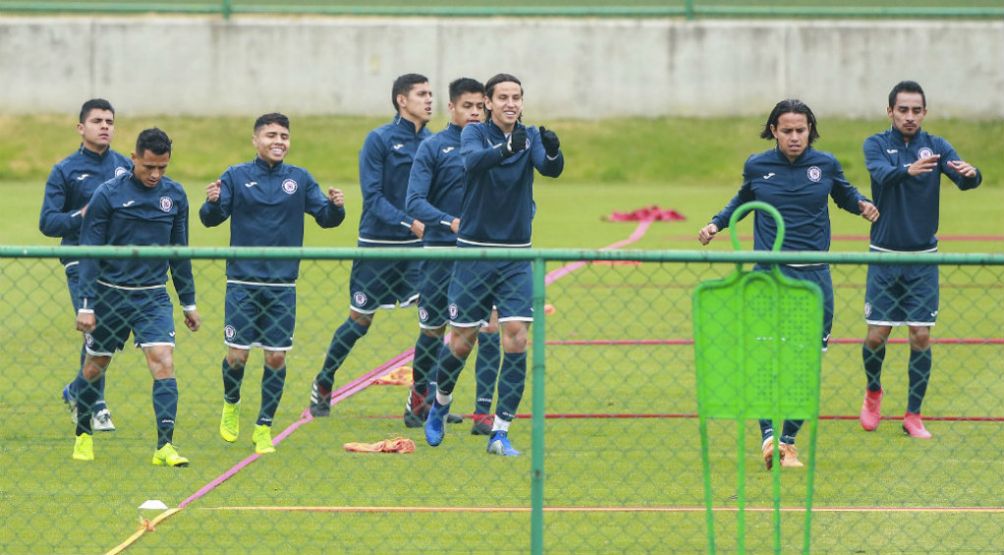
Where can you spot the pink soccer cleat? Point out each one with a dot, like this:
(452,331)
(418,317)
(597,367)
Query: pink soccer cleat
(913,426)
(870,410)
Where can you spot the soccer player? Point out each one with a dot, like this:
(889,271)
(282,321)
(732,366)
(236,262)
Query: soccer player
(796,179)
(67,194)
(123,295)
(384,164)
(435,195)
(265,200)
(906,165)
(499,157)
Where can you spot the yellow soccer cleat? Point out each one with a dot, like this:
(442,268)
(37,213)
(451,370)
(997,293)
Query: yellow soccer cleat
(262,440)
(789,456)
(168,456)
(83,448)
(230,422)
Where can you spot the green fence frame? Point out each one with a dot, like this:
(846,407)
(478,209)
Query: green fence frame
(538,259)
(690,9)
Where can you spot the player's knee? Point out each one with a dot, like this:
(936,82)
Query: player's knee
(462,342)
(877,336)
(237,358)
(94,367)
(275,359)
(514,337)
(361,319)
(920,338)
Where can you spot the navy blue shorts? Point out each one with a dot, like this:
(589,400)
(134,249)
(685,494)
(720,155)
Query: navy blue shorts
(477,285)
(147,313)
(259,316)
(433,297)
(377,284)
(820,275)
(902,294)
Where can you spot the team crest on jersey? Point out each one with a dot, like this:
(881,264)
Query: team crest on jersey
(423,314)
(229,332)
(868,309)
(289,186)
(814,174)
(88,339)
(925,153)
(359,298)
(454,311)
(166,204)
(120,171)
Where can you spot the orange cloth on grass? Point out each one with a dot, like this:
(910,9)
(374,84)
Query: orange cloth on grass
(392,445)
(399,376)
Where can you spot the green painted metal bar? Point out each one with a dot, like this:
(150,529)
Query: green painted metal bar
(108,8)
(558,255)
(539,409)
(690,9)
(848,11)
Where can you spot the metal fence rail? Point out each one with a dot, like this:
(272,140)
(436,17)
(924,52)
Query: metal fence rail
(610,424)
(690,9)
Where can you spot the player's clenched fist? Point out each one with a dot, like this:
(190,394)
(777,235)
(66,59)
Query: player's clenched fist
(550,140)
(707,233)
(213,191)
(517,140)
(336,196)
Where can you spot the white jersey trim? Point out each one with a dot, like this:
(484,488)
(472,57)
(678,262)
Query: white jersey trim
(898,324)
(68,264)
(389,242)
(813,265)
(257,344)
(880,249)
(260,284)
(132,288)
(155,344)
(502,245)
(516,319)
(479,323)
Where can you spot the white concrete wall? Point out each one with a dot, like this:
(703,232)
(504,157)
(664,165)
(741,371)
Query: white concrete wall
(576,68)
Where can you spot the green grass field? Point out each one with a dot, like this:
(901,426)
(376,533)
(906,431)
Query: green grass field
(633,468)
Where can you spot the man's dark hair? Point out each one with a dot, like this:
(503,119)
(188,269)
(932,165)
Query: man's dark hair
(154,140)
(494,81)
(269,119)
(791,106)
(403,85)
(907,87)
(465,85)
(95,104)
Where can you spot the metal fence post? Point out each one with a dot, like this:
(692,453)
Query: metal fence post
(537,462)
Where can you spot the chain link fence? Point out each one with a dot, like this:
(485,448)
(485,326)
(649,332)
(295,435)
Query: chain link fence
(611,457)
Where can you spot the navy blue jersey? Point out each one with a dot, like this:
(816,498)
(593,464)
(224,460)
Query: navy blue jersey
(384,165)
(799,191)
(69,188)
(498,197)
(909,205)
(123,211)
(436,186)
(266,205)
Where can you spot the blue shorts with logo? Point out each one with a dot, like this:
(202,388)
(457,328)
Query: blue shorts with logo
(479,284)
(259,316)
(147,313)
(820,275)
(377,284)
(433,298)
(902,294)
